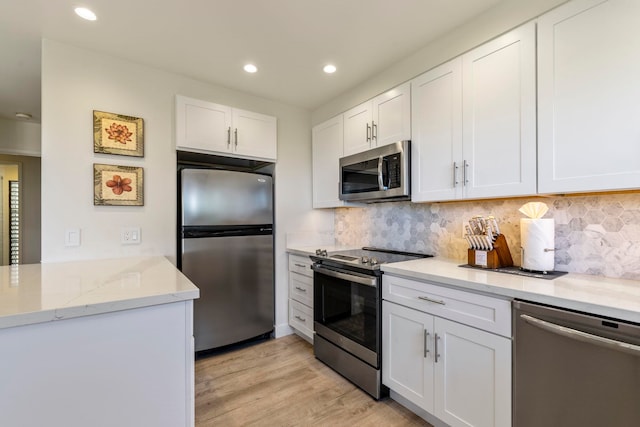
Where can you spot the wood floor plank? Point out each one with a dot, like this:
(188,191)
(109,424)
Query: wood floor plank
(279,382)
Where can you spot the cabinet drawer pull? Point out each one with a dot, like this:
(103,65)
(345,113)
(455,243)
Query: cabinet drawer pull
(368,133)
(426,337)
(235,132)
(229,136)
(465,165)
(300,265)
(302,319)
(432,300)
(301,289)
(374,130)
(436,349)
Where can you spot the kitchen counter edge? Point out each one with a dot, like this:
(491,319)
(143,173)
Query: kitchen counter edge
(48,292)
(614,298)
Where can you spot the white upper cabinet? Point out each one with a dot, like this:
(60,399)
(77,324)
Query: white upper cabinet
(206,127)
(254,134)
(589,97)
(380,121)
(499,116)
(436,142)
(474,123)
(391,121)
(326,151)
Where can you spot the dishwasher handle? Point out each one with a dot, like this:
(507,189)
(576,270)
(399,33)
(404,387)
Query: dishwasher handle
(582,336)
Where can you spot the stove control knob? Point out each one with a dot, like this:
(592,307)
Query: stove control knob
(321,252)
(374,261)
(365,260)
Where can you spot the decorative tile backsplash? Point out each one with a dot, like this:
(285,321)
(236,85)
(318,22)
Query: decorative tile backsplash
(595,234)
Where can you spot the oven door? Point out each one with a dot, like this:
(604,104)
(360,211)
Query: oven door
(346,311)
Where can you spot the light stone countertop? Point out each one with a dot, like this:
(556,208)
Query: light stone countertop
(37,293)
(616,298)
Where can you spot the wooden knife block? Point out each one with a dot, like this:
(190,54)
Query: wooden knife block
(500,256)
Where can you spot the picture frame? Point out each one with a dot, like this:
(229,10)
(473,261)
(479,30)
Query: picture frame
(118,185)
(118,134)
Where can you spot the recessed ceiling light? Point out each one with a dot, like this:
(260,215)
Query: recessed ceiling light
(250,68)
(26,116)
(329,69)
(85,13)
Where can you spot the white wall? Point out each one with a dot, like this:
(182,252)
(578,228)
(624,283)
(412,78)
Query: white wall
(497,20)
(77,81)
(19,137)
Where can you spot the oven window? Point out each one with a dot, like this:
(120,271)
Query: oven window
(349,309)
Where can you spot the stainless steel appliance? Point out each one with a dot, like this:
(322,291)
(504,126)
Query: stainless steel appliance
(573,369)
(347,313)
(226,249)
(377,175)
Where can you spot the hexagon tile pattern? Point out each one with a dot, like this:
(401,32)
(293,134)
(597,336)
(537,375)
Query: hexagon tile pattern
(596,234)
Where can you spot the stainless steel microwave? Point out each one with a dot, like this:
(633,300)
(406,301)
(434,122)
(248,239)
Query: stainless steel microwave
(377,175)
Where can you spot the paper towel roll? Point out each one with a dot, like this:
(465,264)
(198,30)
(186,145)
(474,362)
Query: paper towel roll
(537,235)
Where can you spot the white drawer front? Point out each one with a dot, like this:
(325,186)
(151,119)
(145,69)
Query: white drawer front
(301,318)
(301,288)
(480,311)
(300,265)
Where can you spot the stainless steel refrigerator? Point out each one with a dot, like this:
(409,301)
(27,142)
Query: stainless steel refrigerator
(226,224)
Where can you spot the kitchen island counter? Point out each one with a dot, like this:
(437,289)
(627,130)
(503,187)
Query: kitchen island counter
(99,343)
(36,293)
(615,298)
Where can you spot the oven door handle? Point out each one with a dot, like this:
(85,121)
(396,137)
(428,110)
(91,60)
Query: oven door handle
(582,336)
(363,280)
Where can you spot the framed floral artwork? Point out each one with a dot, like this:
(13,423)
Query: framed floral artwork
(117,185)
(118,134)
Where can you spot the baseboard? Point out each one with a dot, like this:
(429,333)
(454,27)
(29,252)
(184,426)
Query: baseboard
(282,330)
(431,419)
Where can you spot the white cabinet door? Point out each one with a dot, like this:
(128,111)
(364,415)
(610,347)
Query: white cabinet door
(327,149)
(407,353)
(357,129)
(392,116)
(472,376)
(499,116)
(202,125)
(589,97)
(436,133)
(254,135)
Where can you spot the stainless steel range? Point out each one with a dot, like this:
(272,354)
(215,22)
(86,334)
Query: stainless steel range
(347,312)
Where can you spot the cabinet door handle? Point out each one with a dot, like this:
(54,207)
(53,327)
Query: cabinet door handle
(368,133)
(465,166)
(235,132)
(435,352)
(229,136)
(301,318)
(436,301)
(299,265)
(455,174)
(301,289)
(374,130)
(426,337)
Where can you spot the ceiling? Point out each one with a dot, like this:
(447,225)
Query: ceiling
(210,40)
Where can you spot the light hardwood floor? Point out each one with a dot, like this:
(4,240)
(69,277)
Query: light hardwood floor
(280,383)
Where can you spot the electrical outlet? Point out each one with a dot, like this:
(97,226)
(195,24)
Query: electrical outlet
(72,237)
(130,236)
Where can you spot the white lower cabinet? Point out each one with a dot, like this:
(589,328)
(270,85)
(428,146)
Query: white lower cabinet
(456,372)
(301,296)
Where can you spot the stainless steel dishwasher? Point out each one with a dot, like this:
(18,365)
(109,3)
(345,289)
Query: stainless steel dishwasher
(574,369)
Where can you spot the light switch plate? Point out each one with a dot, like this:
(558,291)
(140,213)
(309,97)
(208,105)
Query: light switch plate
(130,236)
(72,237)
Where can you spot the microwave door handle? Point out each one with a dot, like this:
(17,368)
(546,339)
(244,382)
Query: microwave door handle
(380,178)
